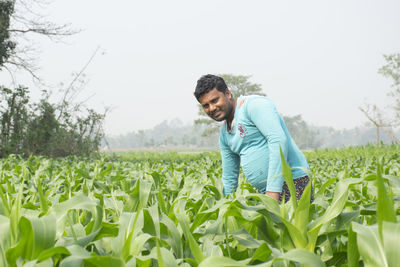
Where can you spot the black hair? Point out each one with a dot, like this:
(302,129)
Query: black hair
(207,83)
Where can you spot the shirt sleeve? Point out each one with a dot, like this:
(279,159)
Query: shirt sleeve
(266,118)
(230,167)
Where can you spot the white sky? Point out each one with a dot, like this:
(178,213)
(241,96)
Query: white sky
(314,58)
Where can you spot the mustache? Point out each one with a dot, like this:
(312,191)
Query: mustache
(215,111)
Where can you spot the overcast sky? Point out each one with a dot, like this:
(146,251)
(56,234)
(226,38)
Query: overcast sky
(314,58)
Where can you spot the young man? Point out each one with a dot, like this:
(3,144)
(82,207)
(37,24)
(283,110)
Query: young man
(252,136)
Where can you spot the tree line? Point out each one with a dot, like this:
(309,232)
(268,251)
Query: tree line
(175,134)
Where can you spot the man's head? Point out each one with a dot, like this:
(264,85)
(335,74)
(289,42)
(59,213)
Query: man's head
(208,82)
(215,98)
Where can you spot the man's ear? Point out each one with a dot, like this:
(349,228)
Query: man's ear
(228,94)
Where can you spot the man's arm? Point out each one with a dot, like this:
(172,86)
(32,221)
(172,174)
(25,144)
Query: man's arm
(266,118)
(274,195)
(230,167)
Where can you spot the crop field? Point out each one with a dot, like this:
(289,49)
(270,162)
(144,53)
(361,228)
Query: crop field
(167,209)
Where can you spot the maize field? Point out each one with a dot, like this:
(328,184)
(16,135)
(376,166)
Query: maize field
(168,209)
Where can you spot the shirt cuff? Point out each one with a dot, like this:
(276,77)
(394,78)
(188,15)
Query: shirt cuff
(276,186)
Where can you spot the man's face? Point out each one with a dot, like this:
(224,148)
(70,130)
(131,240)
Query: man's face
(219,106)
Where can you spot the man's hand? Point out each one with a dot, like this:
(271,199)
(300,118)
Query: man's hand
(274,195)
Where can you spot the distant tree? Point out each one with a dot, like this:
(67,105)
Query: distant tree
(376,117)
(360,135)
(392,70)
(301,132)
(238,85)
(141,138)
(374,114)
(166,134)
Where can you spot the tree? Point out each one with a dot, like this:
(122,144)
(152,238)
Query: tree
(303,134)
(374,114)
(6,45)
(19,21)
(14,115)
(42,128)
(376,117)
(392,70)
(238,85)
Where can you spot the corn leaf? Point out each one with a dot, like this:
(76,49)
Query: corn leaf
(353,255)
(287,175)
(385,208)
(370,245)
(391,237)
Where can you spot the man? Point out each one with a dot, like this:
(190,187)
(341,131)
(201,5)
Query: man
(252,136)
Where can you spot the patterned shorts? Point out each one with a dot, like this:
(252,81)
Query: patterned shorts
(300,184)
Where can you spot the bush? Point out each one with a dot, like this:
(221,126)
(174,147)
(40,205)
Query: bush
(45,128)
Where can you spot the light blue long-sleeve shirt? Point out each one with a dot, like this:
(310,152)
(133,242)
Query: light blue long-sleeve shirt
(257,134)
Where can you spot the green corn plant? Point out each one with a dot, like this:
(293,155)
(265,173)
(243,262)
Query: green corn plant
(378,244)
(184,223)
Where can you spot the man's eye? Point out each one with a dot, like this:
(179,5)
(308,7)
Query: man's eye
(214,101)
(205,106)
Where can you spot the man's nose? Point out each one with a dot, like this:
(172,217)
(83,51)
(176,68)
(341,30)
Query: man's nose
(212,108)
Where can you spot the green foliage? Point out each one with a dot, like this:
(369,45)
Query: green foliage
(43,129)
(168,209)
(14,117)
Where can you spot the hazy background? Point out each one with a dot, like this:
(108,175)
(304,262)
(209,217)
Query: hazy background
(314,58)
